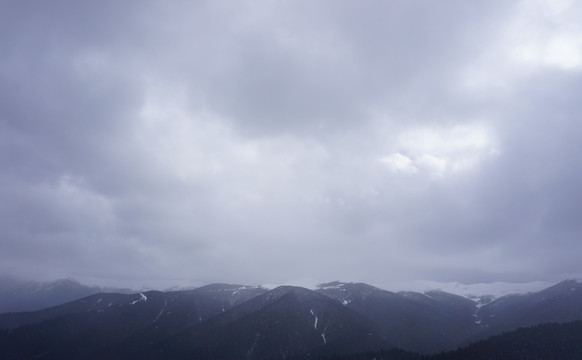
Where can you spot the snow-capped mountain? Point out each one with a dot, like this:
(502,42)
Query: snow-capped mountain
(479,292)
(558,303)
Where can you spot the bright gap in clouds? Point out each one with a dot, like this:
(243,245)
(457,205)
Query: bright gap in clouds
(541,35)
(547,33)
(441,151)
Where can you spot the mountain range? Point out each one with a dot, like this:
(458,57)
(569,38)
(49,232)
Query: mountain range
(223,321)
(26,295)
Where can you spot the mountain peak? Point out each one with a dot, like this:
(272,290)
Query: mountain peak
(227,287)
(339,285)
(283,290)
(564,286)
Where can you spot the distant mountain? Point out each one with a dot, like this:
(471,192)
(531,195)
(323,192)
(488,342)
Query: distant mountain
(479,292)
(223,321)
(20,295)
(559,303)
(430,322)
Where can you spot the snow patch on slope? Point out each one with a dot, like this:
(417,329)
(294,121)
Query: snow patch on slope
(332,286)
(142,298)
(314,325)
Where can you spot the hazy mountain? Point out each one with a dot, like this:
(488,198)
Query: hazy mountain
(23,295)
(478,292)
(20,295)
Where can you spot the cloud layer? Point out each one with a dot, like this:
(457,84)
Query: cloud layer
(160,143)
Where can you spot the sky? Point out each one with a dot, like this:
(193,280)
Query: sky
(162,143)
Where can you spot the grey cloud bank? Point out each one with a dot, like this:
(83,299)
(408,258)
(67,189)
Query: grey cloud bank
(157,143)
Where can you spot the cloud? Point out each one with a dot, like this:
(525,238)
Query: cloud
(441,151)
(536,36)
(232,141)
(399,162)
(548,34)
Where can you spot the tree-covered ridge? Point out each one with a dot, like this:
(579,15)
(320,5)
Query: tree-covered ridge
(538,342)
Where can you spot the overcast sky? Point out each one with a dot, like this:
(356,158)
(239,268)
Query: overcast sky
(186,142)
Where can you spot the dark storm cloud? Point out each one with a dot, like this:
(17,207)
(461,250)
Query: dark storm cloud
(156,142)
